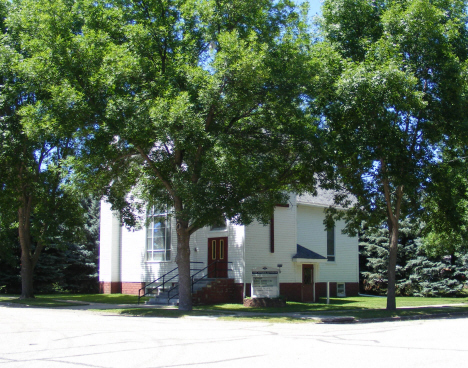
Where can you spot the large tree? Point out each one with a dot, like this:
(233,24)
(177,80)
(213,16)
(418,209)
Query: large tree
(32,197)
(446,206)
(396,102)
(197,106)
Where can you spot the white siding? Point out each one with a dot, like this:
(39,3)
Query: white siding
(257,240)
(123,251)
(109,248)
(311,234)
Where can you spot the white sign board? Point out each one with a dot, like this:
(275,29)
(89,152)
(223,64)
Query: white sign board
(265,282)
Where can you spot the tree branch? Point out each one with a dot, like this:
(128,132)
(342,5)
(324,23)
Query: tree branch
(156,170)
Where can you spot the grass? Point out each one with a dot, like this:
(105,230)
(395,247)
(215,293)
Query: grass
(59,299)
(37,302)
(98,298)
(340,304)
(360,308)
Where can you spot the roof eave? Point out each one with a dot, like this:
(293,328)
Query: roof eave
(308,260)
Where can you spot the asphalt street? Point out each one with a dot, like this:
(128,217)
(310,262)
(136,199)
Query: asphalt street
(37,337)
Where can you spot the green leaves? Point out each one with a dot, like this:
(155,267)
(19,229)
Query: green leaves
(195,102)
(401,94)
(397,102)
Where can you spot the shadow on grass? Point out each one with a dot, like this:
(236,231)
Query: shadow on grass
(98,298)
(291,307)
(38,302)
(165,313)
(173,313)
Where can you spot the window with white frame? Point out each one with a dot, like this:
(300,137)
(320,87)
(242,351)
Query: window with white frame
(158,236)
(340,289)
(331,244)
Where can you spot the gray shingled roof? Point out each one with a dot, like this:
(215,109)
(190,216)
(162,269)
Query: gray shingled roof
(323,198)
(305,253)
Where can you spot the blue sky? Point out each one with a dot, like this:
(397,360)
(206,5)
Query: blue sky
(314,5)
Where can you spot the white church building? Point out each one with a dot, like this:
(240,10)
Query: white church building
(306,256)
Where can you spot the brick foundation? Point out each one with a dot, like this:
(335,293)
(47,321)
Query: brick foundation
(352,288)
(132,287)
(117,287)
(292,291)
(107,287)
(219,291)
(226,291)
(321,290)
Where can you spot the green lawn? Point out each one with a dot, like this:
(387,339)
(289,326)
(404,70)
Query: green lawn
(357,307)
(340,304)
(98,298)
(37,302)
(87,298)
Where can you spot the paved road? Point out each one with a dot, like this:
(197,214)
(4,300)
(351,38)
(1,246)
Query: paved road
(33,337)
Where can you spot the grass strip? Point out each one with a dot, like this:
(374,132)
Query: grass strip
(38,302)
(98,298)
(358,314)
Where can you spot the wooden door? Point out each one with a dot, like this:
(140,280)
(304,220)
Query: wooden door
(308,283)
(217,257)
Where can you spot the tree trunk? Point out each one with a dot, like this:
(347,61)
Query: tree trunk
(27,264)
(392,260)
(393,215)
(27,269)
(453,259)
(183,262)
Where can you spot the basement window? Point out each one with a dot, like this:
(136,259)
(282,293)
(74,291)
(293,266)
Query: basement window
(340,289)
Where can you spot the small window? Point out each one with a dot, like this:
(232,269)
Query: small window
(213,249)
(340,289)
(221,249)
(331,244)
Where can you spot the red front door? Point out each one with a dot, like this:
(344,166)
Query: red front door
(217,257)
(308,283)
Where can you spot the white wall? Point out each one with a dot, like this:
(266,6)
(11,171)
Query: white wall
(311,234)
(257,245)
(122,253)
(109,245)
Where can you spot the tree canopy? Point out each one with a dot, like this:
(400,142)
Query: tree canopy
(397,101)
(198,106)
(32,197)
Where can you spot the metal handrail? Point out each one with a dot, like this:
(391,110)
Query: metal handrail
(192,277)
(161,284)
